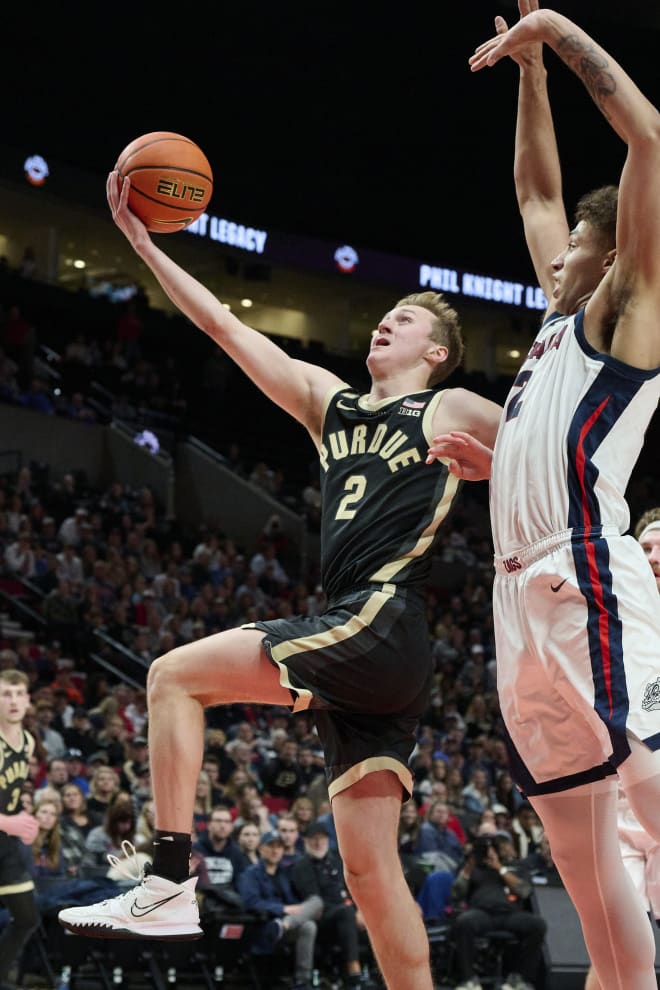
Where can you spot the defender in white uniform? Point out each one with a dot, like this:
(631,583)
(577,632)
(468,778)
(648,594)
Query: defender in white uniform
(577,612)
(572,596)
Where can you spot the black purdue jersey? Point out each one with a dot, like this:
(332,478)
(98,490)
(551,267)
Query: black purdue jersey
(13,773)
(382,504)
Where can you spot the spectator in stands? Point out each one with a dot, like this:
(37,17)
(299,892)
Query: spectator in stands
(302,810)
(320,872)
(144,831)
(113,738)
(287,829)
(247,838)
(224,858)
(65,689)
(37,398)
(79,409)
(476,794)
(20,558)
(74,810)
(281,777)
(526,830)
(81,734)
(118,826)
(138,755)
(309,770)
(494,890)
(52,740)
(211,766)
(103,789)
(438,844)
(244,757)
(252,808)
(268,569)
(47,858)
(455,785)
(409,830)
(540,866)
(61,612)
(265,887)
(75,770)
(203,804)
(505,792)
(71,529)
(69,565)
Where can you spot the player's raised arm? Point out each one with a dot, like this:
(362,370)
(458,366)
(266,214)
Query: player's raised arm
(536,169)
(299,388)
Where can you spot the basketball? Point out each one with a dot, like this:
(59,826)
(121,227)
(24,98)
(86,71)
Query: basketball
(171,180)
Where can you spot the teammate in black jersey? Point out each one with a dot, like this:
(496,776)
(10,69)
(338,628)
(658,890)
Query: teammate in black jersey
(16,826)
(365,663)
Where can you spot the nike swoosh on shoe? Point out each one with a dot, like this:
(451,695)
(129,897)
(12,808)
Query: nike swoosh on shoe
(139,910)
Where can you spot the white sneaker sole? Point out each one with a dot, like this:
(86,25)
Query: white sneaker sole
(154,932)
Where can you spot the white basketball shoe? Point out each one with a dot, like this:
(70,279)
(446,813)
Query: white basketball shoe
(156,909)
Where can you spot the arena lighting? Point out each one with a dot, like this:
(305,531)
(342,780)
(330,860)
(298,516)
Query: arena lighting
(246,303)
(513,354)
(36,170)
(79,263)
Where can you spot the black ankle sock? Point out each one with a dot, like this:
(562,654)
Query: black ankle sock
(171,855)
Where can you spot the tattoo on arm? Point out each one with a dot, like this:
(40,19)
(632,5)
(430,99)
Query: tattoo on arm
(590,66)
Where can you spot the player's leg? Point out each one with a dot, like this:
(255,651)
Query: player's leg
(228,667)
(23,919)
(366,816)
(640,778)
(581,825)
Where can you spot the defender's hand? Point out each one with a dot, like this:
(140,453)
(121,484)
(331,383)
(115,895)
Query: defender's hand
(529,31)
(469,459)
(531,56)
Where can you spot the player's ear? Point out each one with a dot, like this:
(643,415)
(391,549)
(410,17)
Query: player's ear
(608,260)
(438,353)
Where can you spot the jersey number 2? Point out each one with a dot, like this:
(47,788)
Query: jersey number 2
(355,488)
(515,402)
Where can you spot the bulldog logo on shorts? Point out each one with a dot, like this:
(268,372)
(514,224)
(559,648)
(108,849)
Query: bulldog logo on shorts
(651,696)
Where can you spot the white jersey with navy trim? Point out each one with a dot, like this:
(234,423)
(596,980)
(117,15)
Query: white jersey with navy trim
(570,434)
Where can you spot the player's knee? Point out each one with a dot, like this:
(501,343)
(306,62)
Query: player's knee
(162,675)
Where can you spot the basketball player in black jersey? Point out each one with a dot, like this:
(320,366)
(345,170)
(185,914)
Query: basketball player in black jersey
(16,826)
(364,665)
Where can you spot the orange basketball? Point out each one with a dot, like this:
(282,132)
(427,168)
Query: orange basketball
(171,180)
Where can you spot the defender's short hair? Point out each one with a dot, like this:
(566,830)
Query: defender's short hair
(598,209)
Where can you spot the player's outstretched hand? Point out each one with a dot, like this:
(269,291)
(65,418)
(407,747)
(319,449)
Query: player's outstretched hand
(529,31)
(468,458)
(532,54)
(130,225)
(22,825)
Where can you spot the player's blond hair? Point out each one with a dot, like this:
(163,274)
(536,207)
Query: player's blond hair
(446,330)
(14,676)
(650,516)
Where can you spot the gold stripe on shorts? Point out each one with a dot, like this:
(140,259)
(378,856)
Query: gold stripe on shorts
(318,641)
(370,765)
(17,888)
